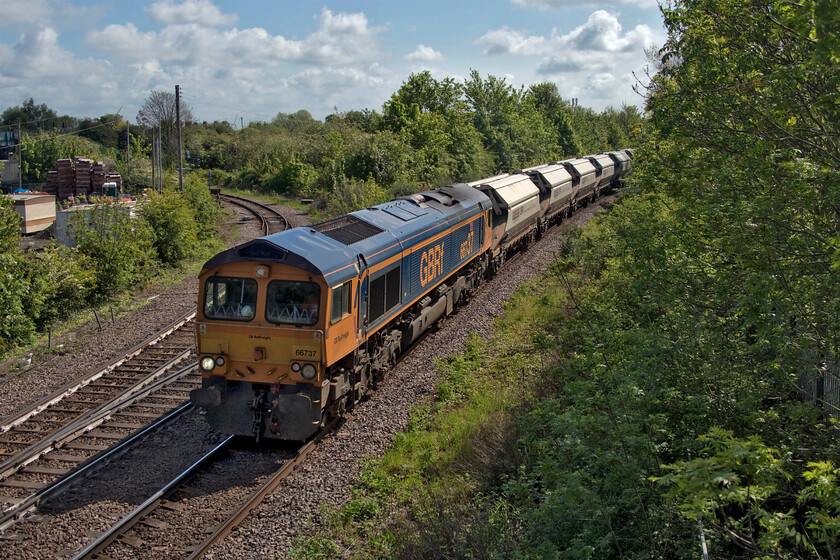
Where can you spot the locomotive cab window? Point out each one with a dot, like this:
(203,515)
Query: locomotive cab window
(230,298)
(340,302)
(292,303)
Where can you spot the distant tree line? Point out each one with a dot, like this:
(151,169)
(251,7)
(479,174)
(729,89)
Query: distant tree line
(429,133)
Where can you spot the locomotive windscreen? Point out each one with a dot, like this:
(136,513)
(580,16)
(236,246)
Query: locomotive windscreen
(292,303)
(230,298)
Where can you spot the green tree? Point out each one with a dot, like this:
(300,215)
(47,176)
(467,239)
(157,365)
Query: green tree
(546,98)
(33,118)
(42,150)
(9,226)
(173,224)
(514,131)
(105,130)
(121,249)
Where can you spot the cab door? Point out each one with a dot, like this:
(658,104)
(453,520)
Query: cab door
(362,299)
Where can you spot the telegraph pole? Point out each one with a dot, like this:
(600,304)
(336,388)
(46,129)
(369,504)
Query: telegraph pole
(20,159)
(180,151)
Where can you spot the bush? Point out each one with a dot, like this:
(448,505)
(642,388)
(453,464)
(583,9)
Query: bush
(348,197)
(121,249)
(207,211)
(173,223)
(293,178)
(9,226)
(15,326)
(61,282)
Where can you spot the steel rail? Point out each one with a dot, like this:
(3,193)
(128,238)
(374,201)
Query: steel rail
(112,534)
(93,417)
(41,405)
(10,516)
(257,497)
(274,214)
(80,428)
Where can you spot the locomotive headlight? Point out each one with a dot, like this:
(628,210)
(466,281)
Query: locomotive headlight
(308,371)
(220,361)
(261,271)
(207,363)
(295,367)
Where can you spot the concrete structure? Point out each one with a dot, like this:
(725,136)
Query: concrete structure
(9,174)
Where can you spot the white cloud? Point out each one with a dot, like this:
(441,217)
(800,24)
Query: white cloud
(38,55)
(338,39)
(554,4)
(424,53)
(602,32)
(21,12)
(575,62)
(201,12)
(508,41)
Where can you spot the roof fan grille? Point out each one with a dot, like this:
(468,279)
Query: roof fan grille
(347,229)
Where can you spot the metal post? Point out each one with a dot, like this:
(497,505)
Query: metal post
(180,150)
(20,159)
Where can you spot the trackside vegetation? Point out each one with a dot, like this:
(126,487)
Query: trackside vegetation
(667,386)
(113,255)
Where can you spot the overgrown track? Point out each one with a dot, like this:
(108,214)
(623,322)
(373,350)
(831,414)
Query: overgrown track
(272,221)
(65,432)
(177,519)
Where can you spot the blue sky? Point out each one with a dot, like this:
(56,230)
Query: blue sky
(247,60)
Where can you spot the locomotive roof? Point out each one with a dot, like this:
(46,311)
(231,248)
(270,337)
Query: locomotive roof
(335,248)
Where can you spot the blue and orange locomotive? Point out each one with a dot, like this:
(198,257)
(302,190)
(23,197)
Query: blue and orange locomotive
(296,326)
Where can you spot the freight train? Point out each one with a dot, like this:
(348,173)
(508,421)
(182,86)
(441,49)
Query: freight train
(295,327)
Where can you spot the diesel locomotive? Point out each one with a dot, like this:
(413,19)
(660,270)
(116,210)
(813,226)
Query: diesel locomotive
(294,327)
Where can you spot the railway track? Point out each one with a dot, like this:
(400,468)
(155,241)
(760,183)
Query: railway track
(176,519)
(271,220)
(52,443)
(46,445)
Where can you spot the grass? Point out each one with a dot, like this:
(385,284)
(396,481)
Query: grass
(432,494)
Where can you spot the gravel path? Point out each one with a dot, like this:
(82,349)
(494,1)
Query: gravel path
(70,521)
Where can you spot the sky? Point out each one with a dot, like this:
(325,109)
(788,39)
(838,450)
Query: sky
(248,60)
